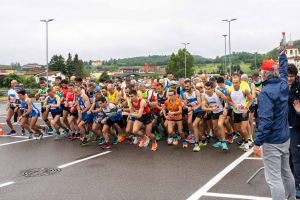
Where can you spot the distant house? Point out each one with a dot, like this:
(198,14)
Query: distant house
(32,66)
(6,69)
(51,76)
(96,63)
(293,54)
(135,72)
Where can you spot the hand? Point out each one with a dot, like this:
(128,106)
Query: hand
(296,105)
(215,108)
(257,151)
(47,106)
(89,112)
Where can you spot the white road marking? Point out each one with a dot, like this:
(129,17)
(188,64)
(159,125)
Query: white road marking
(81,160)
(199,193)
(235,196)
(16,142)
(253,158)
(6,184)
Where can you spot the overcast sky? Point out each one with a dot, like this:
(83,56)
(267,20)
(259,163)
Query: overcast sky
(103,29)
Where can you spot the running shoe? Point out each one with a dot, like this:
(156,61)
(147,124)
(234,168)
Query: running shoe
(12,132)
(50,131)
(185,144)
(196,148)
(76,136)
(106,146)
(101,141)
(121,138)
(242,146)
(136,140)
(246,146)
(23,132)
(115,140)
(39,136)
(240,142)
(30,136)
(143,141)
(203,143)
(57,135)
(84,142)
(147,142)
(154,146)
(170,140)
(175,140)
(217,145)
(224,146)
(66,132)
(191,139)
(235,136)
(158,136)
(251,143)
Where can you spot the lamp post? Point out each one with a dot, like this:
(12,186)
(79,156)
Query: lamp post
(225,68)
(185,44)
(47,65)
(229,56)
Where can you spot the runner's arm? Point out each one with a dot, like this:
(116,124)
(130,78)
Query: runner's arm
(29,108)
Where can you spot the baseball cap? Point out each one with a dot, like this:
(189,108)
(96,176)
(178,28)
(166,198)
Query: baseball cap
(268,65)
(97,89)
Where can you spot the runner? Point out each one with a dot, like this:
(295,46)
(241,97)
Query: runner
(83,105)
(237,99)
(30,116)
(71,105)
(173,113)
(53,105)
(11,105)
(212,102)
(143,116)
(111,117)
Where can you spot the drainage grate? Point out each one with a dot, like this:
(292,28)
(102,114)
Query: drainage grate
(40,172)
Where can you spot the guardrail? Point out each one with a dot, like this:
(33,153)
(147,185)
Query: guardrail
(29,91)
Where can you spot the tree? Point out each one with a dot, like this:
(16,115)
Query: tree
(69,69)
(78,65)
(104,77)
(176,64)
(57,63)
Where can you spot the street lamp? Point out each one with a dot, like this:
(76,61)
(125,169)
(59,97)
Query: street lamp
(185,44)
(229,56)
(225,68)
(47,66)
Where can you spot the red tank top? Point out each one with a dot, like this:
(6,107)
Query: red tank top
(64,92)
(136,107)
(70,97)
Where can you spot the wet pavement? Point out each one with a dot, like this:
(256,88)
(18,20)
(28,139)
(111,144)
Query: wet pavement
(124,172)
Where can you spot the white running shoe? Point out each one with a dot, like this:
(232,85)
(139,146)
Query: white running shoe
(170,140)
(136,140)
(196,148)
(147,142)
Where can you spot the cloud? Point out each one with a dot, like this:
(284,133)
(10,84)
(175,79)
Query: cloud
(125,28)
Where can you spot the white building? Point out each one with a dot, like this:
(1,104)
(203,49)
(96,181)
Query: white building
(293,54)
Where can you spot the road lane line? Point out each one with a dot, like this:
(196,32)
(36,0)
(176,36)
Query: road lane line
(201,191)
(81,160)
(235,196)
(16,142)
(253,158)
(6,184)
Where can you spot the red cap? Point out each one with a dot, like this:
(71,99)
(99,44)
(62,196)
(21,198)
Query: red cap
(267,65)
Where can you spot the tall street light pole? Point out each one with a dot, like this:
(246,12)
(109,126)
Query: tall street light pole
(229,56)
(47,65)
(225,66)
(185,44)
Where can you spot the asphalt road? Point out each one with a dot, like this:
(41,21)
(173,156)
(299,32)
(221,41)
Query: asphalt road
(124,172)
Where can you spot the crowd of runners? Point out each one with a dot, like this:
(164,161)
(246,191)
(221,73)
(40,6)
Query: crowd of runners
(140,112)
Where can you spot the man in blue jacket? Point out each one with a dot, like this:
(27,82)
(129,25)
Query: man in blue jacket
(273,129)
